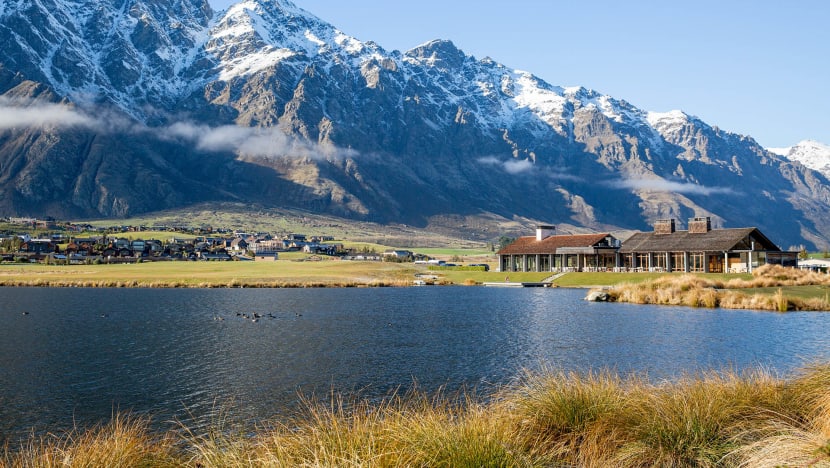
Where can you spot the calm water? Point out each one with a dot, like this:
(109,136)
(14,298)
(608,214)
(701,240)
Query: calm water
(80,354)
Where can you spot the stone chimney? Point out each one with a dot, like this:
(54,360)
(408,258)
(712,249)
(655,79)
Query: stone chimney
(543,232)
(700,225)
(664,226)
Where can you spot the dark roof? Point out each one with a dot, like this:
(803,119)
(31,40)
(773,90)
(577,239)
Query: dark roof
(529,244)
(716,240)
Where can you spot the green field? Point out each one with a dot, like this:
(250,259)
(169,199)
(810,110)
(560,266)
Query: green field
(211,274)
(801,292)
(587,280)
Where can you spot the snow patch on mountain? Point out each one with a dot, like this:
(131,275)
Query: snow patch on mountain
(810,153)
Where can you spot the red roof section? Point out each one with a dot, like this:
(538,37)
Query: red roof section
(529,244)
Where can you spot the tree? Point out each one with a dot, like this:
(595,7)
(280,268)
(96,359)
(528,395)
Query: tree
(504,241)
(11,244)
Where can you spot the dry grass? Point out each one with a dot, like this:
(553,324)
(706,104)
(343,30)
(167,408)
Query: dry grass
(697,291)
(124,442)
(552,418)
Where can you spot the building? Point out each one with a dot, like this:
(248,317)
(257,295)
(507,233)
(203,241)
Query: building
(402,255)
(546,252)
(701,249)
(815,264)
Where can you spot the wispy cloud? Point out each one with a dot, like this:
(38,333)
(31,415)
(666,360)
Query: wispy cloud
(662,185)
(270,142)
(520,166)
(22,114)
(511,166)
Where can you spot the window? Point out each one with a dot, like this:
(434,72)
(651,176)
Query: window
(678,261)
(696,262)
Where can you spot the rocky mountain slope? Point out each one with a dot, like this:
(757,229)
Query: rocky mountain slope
(810,153)
(130,106)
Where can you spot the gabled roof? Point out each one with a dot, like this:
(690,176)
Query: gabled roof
(529,244)
(716,240)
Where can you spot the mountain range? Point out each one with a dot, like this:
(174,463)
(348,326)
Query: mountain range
(111,109)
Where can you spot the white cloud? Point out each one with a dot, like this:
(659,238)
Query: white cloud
(661,185)
(517,166)
(20,114)
(269,142)
(245,141)
(511,166)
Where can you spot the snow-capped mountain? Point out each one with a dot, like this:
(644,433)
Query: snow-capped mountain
(810,153)
(137,105)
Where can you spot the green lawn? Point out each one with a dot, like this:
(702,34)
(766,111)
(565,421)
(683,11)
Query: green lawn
(581,280)
(210,274)
(801,292)
(452,252)
(462,277)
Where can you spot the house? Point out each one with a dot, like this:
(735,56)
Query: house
(38,246)
(815,264)
(138,246)
(402,255)
(121,243)
(221,255)
(547,252)
(701,249)
(266,246)
(263,256)
(239,244)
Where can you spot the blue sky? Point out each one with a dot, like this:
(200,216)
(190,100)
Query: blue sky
(759,68)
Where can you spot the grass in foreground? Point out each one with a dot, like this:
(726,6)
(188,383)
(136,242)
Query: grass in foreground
(553,418)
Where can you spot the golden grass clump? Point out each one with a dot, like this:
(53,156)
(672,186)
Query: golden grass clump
(799,433)
(555,411)
(695,421)
(124,442)
(411,430)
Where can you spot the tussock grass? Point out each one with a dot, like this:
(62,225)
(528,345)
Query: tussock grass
(124,442)
(551,418)
(698,291)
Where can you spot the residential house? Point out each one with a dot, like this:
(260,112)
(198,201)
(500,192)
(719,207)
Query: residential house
(239,245)
(401,255)
(38,246)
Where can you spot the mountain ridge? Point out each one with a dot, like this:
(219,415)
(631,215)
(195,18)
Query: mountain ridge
(266,102)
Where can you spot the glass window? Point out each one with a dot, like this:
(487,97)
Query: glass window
(696,262)
(678,261)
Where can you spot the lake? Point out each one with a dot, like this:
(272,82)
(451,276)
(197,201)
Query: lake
(75,356)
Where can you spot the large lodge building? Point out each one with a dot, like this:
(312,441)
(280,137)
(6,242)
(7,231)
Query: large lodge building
(699,249)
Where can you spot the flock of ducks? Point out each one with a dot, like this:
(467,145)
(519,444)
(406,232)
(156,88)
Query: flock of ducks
(254,317)
(218,318)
